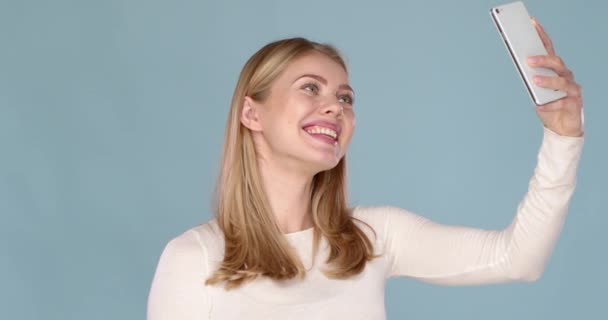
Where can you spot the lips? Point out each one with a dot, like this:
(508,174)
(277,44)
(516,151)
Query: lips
(323,129)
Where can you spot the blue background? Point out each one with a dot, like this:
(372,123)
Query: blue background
(112,116)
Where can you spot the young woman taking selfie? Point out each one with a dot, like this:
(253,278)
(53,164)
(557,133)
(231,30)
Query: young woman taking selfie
(285,244)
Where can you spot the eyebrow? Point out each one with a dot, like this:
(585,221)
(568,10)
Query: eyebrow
(324,81)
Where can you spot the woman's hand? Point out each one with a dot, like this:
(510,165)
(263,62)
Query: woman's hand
(563,116)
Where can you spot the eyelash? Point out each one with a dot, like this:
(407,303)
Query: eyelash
(350,100)
(310,84)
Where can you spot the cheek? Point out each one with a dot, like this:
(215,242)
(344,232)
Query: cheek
(350,121)
(348,128)
(287,111)
(299,108)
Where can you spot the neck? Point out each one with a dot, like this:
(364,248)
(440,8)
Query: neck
(288,193)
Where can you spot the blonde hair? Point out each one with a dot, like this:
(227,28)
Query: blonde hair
(254,244)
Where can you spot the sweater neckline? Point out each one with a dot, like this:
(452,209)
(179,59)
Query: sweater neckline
(299,234)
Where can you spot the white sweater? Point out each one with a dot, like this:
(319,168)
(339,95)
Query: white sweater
(410,245)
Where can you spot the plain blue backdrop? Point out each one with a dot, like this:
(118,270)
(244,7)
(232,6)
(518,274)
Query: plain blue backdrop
(112,116)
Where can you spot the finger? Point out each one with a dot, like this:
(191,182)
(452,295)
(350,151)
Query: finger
(554,63)
(569,75)
(574,90)
(571,88)
(544,37)
(558,83)
(573,103)
(552,107)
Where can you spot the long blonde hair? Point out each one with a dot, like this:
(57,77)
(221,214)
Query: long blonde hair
(254,244)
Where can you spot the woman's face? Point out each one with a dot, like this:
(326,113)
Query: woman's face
(308,119)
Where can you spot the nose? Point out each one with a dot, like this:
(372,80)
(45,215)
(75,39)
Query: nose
(332,107)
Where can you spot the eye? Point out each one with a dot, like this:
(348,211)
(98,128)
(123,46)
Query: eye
(346,98)
(312,87)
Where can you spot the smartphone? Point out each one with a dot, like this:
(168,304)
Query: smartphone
(522,40)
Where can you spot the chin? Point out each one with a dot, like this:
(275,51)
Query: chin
(321,165)
(318,159)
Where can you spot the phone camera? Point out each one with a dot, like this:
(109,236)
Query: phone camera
(497,11)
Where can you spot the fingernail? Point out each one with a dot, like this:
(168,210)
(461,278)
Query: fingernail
(538,80)
(532,60)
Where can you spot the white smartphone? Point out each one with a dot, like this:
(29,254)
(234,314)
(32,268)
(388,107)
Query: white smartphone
(522,40)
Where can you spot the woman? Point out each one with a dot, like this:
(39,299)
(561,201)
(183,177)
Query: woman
(285,245)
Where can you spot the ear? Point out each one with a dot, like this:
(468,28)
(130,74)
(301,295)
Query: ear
(250,115)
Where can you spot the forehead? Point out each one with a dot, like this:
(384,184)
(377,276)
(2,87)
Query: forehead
(316,63)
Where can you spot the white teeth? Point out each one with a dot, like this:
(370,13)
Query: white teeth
(322,130)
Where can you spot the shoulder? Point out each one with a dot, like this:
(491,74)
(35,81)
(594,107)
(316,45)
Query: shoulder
(375,218)
(198,247)
(383,219)
(379,215)
(211,238)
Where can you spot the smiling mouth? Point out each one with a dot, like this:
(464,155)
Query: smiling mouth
(323,134)
(322,130)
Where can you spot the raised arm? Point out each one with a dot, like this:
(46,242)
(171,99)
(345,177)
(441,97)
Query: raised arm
(178,291)
(452,255)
